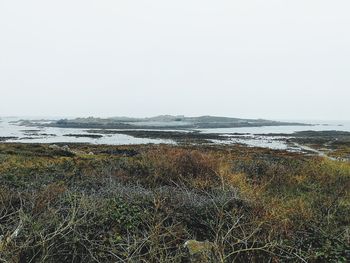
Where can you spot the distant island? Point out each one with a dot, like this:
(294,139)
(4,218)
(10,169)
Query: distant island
(161,122)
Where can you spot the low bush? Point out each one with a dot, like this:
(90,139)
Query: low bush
(250,205)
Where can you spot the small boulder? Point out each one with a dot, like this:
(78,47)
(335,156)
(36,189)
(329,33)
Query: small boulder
(66,148)
(200,252)
(54,147)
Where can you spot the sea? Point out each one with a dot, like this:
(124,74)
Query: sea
(251,136)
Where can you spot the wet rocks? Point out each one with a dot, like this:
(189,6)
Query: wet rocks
(92,136)
(6,138)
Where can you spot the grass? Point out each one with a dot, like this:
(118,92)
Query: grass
(142,203)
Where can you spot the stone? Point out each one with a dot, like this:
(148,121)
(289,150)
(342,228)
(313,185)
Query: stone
(200,252)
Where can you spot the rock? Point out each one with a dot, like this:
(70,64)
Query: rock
(200,252)
(55,147)
(90,153)
(3,139)
(66,148)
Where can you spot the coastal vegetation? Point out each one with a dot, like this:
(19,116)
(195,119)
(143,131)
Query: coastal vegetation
(158,203)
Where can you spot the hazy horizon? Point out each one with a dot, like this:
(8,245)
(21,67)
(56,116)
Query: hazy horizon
(124,116)
(277,60)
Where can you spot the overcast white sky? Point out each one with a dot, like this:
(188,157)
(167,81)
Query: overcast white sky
(274,59)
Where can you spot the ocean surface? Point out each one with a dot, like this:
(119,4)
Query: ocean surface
(323,125)
(251,136)
(9,127)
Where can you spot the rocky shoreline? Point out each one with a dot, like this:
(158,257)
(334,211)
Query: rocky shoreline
(162,122)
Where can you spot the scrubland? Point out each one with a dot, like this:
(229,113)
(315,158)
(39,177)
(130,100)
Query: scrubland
(138,203)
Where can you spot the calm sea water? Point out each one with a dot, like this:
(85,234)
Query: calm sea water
(252,135)
(315,126)
(9,128)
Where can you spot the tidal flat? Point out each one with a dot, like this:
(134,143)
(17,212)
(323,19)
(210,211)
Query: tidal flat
(156,203)
(327,139)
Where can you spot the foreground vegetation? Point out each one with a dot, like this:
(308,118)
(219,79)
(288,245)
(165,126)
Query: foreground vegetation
(142,203)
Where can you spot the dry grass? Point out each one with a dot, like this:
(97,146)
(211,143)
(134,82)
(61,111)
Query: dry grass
(252,205)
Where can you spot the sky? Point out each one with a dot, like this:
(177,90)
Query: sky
(273,59)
